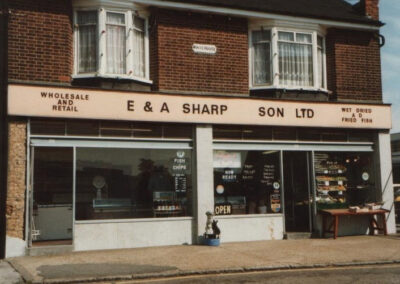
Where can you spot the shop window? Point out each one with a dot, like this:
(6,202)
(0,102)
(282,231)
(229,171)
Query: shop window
(247,182)
(396,172)
(344,179)
(52,193)
(395,146)
(111,43)
(133,183)
(287,59)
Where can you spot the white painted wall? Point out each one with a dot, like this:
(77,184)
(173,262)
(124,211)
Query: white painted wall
(116,234)
(203,196)
(243,228)
(15,247)
(384,156)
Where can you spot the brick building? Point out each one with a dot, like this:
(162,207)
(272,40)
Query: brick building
(129,120)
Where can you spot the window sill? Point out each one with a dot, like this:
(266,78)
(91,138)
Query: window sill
(116,77)
(247,216)
(133,220)
(301,89)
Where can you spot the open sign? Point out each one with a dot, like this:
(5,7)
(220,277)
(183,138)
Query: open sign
(223,209)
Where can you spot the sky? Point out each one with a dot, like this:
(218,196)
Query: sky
(390,55)
(389,14)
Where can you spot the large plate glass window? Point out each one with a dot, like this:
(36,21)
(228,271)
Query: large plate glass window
(118,183)
(344,179)
(247,182)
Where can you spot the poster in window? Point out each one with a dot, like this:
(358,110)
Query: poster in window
(224,159)
(268,175)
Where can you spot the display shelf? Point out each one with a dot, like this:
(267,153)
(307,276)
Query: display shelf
(331,183)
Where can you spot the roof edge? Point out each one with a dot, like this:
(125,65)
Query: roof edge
(373,25)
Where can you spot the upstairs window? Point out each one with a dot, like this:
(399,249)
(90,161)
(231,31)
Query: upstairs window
(112,44)
(116,43)
(295,59)
(262,57)
(87,42)
(287,59)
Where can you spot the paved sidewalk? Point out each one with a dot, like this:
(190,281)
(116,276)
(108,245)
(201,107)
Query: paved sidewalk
(141,263)
(8,275)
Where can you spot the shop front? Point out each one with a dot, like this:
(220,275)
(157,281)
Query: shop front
(120,169)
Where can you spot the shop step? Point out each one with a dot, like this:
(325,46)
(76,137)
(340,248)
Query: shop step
(49,250)
(297,235)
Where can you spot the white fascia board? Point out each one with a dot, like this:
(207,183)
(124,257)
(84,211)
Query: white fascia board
(122,4)
(254,14)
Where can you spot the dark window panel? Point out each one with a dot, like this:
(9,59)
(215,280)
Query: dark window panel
(285,133)
(147,130)
(332,135)
(83,128)
(47,127)
(227,132)
(257,133)
(115,129)
(178,131)
(309,134)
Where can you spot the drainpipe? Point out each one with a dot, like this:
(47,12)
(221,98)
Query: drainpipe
(4,14)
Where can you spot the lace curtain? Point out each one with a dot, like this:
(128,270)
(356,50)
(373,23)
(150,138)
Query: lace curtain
(261,57)
(87,51)
(116,39)
(295,59)
(138,47)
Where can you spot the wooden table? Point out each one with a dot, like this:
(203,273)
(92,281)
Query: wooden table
(334,214)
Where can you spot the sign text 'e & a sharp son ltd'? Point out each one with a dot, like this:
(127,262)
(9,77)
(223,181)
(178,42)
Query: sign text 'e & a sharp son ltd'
(93,104)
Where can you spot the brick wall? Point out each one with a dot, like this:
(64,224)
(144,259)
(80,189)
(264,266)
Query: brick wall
(354,65)
(40,40)
(15,204)
(179,68)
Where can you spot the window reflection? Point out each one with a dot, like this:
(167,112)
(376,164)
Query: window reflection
(132,183)
(247,182)
(344,179)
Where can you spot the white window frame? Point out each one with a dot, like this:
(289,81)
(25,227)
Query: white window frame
(102,47)
(280,26)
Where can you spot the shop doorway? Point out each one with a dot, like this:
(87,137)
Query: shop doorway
(297,194)
(51,196)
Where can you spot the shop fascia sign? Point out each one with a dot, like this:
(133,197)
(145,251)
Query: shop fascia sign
(44,101)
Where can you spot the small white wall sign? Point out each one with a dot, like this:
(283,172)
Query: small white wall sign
(204,48)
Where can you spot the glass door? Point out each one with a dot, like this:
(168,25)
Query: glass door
(52,195)
(297,192)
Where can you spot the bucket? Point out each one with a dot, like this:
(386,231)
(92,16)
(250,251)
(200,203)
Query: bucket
(211,242)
